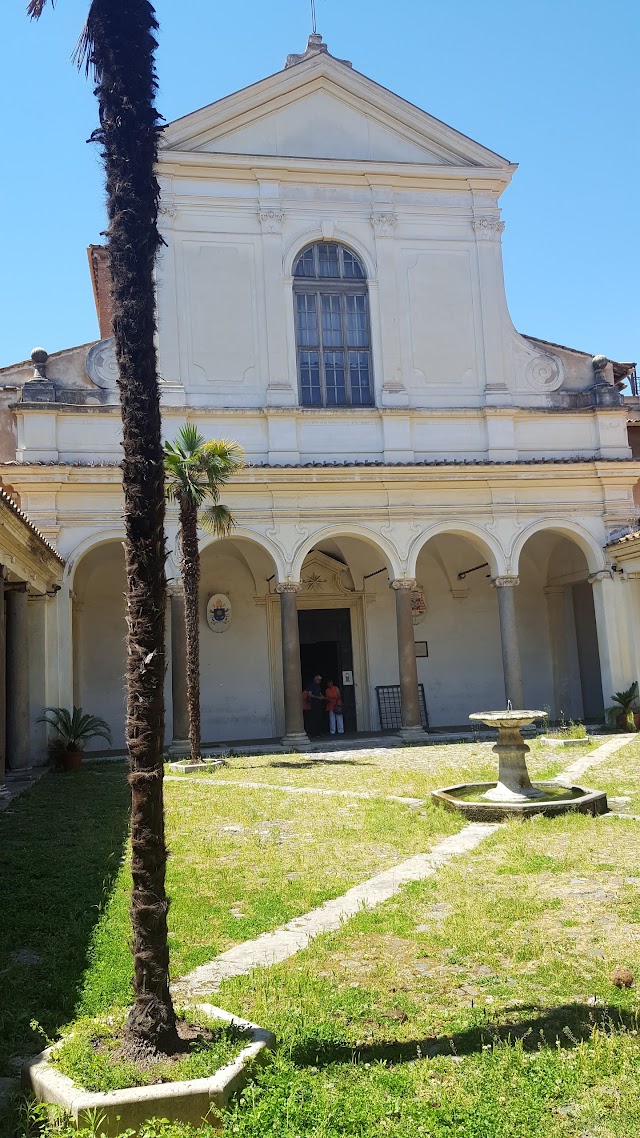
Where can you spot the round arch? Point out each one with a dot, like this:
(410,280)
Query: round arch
(311,236)
(593,551)
(486,545)
(265,543)
(375,540)
(74,559)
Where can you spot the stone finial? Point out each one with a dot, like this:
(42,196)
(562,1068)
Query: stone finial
(600,364)
(315,46)
(39,359)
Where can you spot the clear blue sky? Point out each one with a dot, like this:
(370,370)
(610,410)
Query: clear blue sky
(550,85)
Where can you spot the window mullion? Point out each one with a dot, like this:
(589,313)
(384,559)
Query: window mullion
(347,375)
(323,377)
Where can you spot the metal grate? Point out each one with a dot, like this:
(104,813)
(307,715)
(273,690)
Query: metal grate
(390,708)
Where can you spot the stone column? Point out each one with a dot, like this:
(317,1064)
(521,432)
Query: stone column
(18,743)
(614,658)
(632,591)
(509,638)
(179,701)
(295,737)
(411,724)
(3,691)
(556,608)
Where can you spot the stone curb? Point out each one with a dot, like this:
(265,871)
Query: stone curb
(189,1101)
(549,742)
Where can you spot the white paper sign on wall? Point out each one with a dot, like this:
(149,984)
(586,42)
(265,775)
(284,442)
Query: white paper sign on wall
(219,612)
(347,679)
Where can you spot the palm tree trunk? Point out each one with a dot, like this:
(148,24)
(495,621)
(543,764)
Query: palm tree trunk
(191,581)
(121,35)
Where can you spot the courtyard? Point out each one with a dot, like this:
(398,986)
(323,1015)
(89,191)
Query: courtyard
(474,1001)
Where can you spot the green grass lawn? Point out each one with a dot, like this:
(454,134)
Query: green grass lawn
(474,1004)
(407,771)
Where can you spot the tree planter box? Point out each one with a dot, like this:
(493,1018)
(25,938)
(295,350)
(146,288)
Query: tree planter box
(189,1101)
(187,767)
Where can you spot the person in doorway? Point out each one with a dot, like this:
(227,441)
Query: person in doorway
(316,696)
(307,709)
(333,697)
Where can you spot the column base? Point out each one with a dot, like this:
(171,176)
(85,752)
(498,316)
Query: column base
(296,741)
(180,747)
(413,734)
(4,792)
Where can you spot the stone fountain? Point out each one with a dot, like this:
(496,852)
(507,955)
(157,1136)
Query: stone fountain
(514,794)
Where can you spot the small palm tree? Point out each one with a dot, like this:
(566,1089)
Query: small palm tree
(74,728)
(625,703)
(195,471)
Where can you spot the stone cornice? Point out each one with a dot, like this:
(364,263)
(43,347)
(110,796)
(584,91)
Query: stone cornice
(475,411)
(104,477)
(253,168)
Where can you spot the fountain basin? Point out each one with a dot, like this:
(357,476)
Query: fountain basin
(551,799)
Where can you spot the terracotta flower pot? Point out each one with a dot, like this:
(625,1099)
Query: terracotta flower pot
(71,760)
(622,721)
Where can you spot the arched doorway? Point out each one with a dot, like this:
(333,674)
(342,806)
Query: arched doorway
(557,628)
(460,657)
(347,621)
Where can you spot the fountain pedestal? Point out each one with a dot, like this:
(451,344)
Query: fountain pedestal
(515,796)
(514,784)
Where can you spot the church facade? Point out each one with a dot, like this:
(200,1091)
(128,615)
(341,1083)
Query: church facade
(429,497)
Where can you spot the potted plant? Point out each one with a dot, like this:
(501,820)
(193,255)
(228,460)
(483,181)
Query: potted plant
(624,712)
(73,730)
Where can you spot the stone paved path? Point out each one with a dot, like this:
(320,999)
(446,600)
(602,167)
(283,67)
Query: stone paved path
(286,788)
(270,948)
(598,755)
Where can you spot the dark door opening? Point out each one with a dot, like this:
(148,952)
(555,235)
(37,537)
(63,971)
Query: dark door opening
(326,650)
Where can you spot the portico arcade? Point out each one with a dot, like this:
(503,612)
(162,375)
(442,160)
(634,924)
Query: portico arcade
(343,602)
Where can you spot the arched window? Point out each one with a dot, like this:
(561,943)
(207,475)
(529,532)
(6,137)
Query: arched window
(332,327)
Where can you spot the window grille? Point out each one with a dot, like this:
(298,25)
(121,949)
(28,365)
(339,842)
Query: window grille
(390,707)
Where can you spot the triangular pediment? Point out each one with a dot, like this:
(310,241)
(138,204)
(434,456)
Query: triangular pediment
(324,574)
(322,109)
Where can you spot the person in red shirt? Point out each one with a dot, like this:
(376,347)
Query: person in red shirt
(333,697)
(307,708)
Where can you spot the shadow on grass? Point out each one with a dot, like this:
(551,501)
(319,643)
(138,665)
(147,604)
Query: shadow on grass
(565,1027)
(61,847)
(308,763)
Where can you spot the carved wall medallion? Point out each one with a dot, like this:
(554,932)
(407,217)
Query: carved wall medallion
(418,604)
(219,612)
(543,373)
(101,364)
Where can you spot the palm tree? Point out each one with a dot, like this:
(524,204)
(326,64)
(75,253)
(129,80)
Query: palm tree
(195,471)
(118,45)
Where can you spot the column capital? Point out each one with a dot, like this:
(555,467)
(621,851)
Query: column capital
(601,575)
(408,583)
(289,587)
(504,582)
(175,589)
